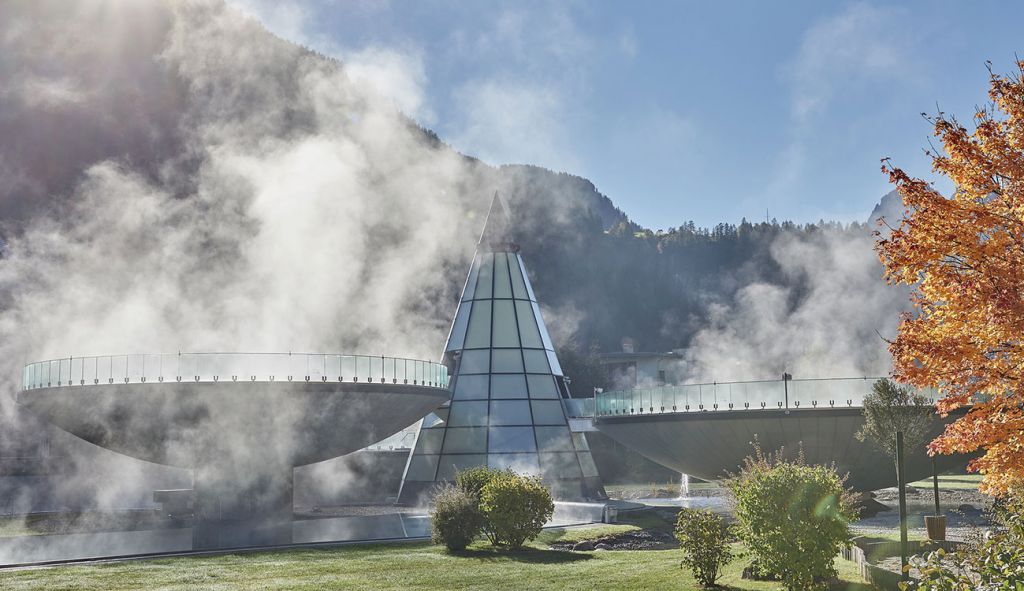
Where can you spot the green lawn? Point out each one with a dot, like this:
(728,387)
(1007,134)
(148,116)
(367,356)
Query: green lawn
(952,481)
(397,566)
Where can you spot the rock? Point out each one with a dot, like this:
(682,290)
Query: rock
(584,546)
(966,508)
(602,547)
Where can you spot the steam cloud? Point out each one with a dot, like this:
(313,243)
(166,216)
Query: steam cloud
(265,202)
(829,319)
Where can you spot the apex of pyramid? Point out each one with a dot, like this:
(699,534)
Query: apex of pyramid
(497,232)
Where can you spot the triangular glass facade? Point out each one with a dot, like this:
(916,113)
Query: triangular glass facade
(506,409)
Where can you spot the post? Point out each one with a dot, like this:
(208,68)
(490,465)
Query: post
(785,385)
(935,485)
(905,573)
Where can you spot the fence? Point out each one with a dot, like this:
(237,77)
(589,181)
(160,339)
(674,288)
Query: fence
(215,367)
(727,396)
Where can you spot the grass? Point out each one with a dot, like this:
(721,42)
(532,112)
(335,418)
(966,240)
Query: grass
(951,481)
(579,534)
(402,567)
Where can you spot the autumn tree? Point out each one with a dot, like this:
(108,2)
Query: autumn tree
(963,255)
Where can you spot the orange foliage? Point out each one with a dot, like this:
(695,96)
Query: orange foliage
(964,257)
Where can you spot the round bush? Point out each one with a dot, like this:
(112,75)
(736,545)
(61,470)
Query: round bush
(793,517)
(704,539)
(455,518)
(472,480)
(516,508)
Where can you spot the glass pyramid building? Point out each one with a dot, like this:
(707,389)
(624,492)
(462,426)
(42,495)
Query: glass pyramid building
(506,409)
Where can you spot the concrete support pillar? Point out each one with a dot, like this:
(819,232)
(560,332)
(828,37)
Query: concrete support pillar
(230,513)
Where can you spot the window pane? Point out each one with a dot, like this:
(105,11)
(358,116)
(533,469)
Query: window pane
(452,464)
(527,325)
(556,368)
(522,268)
(508,386)
(483,284)
(468,414)
(422,468)
(543,329)
(479,335)
(470,388)
(510,412)
(518,285)
(542,386)
(429,441)
(553,439)
(465,440)
(511,439)
(470,289)
(558,466)
(458,334)
(587,462)
(536,361)
(502,287)
(507,361)
(518,463)
(474,361)
(505,333)
(441,413)
(547,412)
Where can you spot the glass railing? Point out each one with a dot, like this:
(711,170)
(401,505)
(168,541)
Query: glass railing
(729,396)
(234,367)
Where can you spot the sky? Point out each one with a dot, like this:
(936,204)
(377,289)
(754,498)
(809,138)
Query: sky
(702,111)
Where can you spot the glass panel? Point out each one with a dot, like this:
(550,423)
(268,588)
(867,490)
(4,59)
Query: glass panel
(442,415)
(553,439)
(119,367)
(465,440)
(518,463)
(511,439)
(543,329)
(547,412)
(526,277)
(587,462)
(453,464)
(474,361)
(536,361)
(580,441)
(505,333)
(468,414)
(518,285)
(458,335)
(560,466)
(556,367)
(542,386)
(479,335)
(470,288)
(429,441)
(470,388)
(508,386)
(422,468)
(483,284)
(527,326)
(507,361)
(502,286)
(510,412)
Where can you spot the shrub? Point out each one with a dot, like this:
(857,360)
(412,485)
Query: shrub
(516,508)
(455,518)
(472,480)
(793,517)
(993,562)
(704,539)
